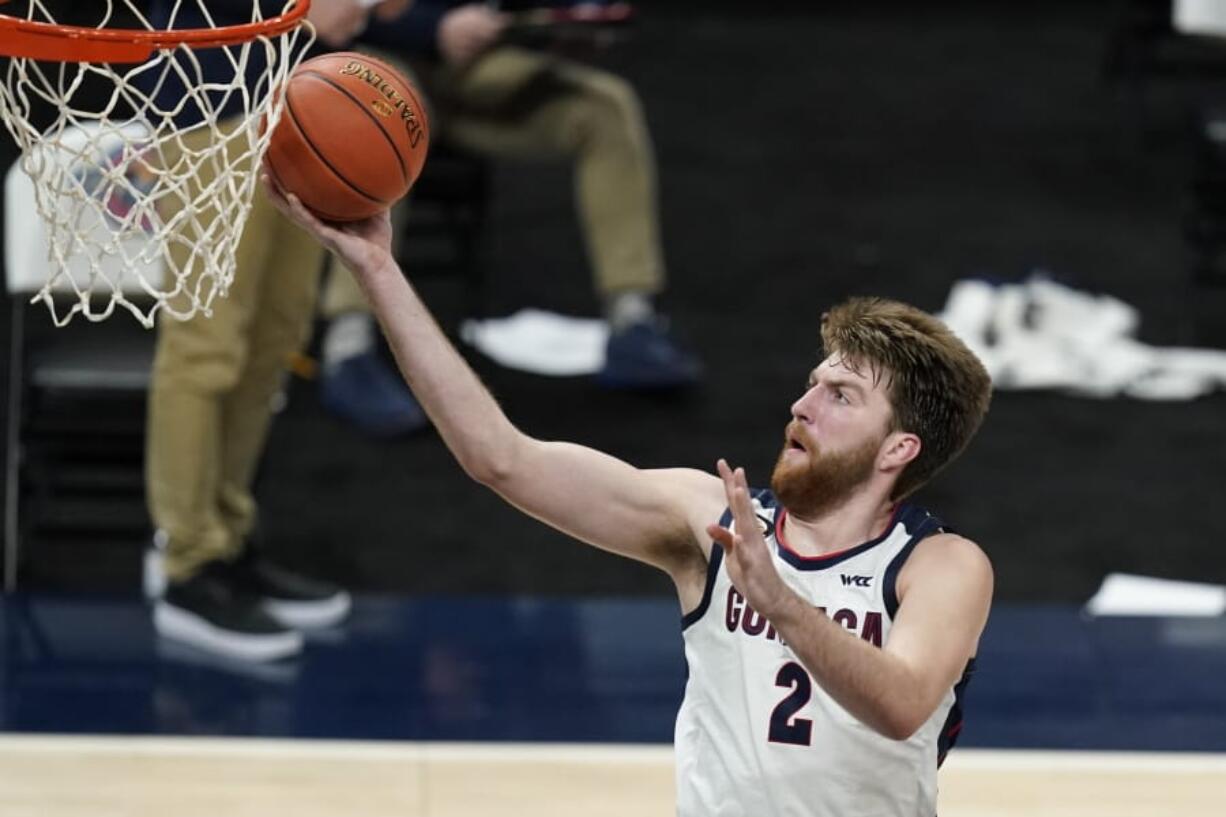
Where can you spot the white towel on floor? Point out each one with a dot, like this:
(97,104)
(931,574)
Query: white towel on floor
(1040,334)
(1125,595)
(541,342)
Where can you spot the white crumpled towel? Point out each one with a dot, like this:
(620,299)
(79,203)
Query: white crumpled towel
(541,342)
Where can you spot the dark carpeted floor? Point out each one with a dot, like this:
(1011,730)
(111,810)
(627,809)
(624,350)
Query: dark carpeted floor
(807,153)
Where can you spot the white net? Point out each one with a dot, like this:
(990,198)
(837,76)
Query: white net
(144,173)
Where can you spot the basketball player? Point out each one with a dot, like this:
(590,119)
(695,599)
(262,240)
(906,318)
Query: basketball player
(829,625)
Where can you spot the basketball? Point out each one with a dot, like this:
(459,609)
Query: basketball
(352,138)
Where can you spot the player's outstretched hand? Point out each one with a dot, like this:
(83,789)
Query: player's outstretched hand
(750,565)
(364,246)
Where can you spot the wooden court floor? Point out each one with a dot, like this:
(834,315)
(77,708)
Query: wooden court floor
(50,776)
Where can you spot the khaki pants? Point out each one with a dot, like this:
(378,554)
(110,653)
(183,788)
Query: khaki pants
(520,104)
(213,382)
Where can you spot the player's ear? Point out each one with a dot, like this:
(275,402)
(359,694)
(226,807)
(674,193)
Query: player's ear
(898,449)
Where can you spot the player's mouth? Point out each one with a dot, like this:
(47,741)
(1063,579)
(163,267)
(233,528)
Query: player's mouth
(795,442)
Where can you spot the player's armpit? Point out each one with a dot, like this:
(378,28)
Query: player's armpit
(654,516)
(944,592)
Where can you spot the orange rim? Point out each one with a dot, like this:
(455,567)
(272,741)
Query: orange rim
(56,43)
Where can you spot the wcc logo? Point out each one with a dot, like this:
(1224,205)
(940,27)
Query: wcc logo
(855,581)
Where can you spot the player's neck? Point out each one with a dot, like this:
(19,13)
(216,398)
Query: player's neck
(861,518)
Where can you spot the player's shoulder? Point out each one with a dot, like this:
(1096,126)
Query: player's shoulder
(692,483)
(948,564)
(944,552)
(700,492)
(694,478)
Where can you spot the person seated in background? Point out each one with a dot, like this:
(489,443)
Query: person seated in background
(212,388)
(494,99)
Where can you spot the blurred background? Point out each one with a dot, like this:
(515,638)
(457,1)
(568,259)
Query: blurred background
(808,151)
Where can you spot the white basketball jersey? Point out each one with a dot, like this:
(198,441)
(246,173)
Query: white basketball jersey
(757,737)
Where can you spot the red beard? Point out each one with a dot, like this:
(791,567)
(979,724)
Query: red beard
(812,487)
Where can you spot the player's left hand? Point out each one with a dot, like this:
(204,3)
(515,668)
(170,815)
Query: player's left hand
(750,565)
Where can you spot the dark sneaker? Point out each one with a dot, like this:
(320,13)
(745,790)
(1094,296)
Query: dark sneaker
(646,356)
(208,612)
(291,599)
(366,391)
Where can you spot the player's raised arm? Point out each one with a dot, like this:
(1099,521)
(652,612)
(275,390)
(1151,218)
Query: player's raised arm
(653,516)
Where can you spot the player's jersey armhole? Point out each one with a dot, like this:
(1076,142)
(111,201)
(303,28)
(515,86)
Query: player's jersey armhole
(713,565)
(927,526)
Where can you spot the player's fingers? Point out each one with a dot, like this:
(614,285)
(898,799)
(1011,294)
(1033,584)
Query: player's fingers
(298,212)
(723,536)
(738,500)
(279,198)
(731,543)
(289,206)
(725,474)
(742,512)
(738,496)
(275,194)
(734,545)
(741,490)
(738,481)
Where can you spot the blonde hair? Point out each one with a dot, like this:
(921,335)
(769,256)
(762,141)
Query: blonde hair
(937,388)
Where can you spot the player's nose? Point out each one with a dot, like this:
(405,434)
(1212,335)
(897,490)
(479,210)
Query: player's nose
(802,407)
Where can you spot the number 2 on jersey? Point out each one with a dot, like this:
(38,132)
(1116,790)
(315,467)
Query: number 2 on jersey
(785,727)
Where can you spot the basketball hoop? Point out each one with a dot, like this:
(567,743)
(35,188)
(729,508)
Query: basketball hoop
(116,180)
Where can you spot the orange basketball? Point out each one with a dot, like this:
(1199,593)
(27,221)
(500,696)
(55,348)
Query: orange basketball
(352,138)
